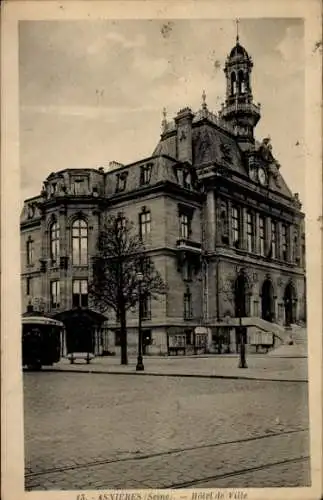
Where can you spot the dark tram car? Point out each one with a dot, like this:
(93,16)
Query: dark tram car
(41,340)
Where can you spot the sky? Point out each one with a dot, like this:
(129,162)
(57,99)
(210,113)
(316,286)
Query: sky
(93,91)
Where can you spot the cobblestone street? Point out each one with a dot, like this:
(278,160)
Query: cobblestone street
(89,431)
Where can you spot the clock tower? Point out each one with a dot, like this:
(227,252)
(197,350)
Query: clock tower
(239,110)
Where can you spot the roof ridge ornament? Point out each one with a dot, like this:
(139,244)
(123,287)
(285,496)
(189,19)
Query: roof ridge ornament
(204,105)
(164,120)
(237,23)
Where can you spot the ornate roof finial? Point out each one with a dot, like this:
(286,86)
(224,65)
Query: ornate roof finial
(237,23)
(204,105)
(164,121)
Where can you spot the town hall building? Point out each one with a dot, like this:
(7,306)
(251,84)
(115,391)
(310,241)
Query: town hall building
(215,214)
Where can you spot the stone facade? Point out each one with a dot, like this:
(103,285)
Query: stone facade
(219,210)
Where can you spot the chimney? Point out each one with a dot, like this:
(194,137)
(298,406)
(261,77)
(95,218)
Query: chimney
(183,122)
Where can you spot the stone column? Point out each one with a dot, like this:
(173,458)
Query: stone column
(244,228)
(230,221)
(63,244)
(44,236)
(218,232)
(267,235)
(290,243)
(211,227)
(256,230)
(93,234)
(279,239)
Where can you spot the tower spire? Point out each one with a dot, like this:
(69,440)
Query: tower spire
(237,23)
(239,109)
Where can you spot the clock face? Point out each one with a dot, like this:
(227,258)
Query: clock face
(262,176)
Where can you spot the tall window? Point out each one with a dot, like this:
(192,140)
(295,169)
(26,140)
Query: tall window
(29,289)
(30,252)
(145,174)
(235,226)
(184,226)
(284,242)
(54,243)
(250,232)
(55,294)
(146,306)
(262,235)
(80,293)
(273,240)
(121,182)
(188,313)
(79,242)
(144,223)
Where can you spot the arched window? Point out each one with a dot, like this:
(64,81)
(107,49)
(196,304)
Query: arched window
(79,243)
(233,83)
(267,301)
(54,243)
(241,82)
(241,296)
(290,302)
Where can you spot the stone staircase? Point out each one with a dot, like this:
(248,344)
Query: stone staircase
(295,344)
(289,341)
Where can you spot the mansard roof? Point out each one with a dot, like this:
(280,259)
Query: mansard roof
(214,142)
(162,169)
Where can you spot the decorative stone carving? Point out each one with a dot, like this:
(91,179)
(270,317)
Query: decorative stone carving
(225,153)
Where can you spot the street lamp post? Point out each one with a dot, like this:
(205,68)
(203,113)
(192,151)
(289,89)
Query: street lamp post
(140,365)
(241,291)
(242,361)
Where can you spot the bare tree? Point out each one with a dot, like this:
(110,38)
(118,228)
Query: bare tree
(120,256)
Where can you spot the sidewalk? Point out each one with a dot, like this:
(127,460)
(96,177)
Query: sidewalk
(260,367)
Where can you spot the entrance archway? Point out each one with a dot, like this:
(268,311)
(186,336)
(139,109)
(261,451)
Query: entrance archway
(81,325)
(290,301)
(267,300)
(240,296)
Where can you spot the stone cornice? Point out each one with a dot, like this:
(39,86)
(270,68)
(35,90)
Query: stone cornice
(242,258)
(162,187)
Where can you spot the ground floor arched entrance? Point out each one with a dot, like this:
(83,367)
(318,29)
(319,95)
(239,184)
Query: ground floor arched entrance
(290,303)
(81,326)
(240,296)
(267,301)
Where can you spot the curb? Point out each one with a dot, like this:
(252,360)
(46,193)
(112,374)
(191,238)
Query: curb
(185,375)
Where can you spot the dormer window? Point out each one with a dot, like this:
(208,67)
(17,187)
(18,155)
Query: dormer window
(121,182)
(187,180)
(79,186)
(226,153)
(53,188)
(145,174)
(31,211)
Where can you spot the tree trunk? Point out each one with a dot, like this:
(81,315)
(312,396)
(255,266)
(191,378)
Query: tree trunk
(123,336)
